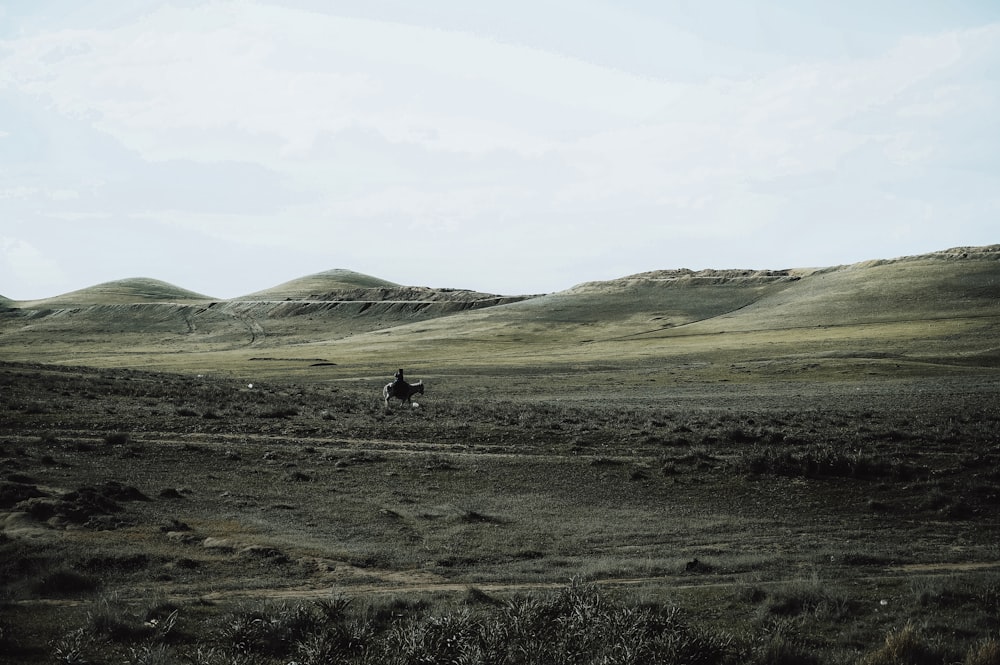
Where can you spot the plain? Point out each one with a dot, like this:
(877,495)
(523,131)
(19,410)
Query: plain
(721,466)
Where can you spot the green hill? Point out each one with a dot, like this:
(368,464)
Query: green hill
(923,313)
(120,292)
(961,282)
(319,285)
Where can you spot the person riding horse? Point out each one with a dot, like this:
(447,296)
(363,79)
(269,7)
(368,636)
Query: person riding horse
(397,383)
(402,390)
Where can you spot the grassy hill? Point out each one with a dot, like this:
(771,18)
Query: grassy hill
(955,283)
(925,314)
(318,285)
(930,313)
(120,292)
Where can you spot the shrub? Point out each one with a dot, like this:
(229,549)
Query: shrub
(147,654)
(280,412)
(986,652)
(117,438)
(64,582)
(780,649)
(334,644)
(72,648)
(822,460)
(272,629)
(811,597)
(576,625)
(110,619)
(904,647)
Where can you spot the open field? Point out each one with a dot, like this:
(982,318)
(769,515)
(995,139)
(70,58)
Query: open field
(781,467)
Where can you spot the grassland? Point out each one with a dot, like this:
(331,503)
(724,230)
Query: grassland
(723,467)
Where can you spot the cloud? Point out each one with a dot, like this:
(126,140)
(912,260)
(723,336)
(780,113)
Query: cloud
(268,71)
(369,139)
(26,269)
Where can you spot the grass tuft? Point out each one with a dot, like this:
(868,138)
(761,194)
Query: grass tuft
(985,652)
(904,647)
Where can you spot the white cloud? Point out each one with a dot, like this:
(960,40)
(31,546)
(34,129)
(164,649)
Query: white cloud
(371,138)
(26,269)
(271,71)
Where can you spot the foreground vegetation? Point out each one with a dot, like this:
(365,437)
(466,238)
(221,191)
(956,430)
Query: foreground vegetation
(165,518)
(577,624)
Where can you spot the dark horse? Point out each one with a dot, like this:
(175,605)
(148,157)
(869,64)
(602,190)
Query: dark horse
(403,391)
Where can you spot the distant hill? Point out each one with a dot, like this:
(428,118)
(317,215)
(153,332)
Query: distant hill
(668,297)
(918,312)
(954,282)
(120,292)
(959,282)
(938,310)
(314,287)
(348,286)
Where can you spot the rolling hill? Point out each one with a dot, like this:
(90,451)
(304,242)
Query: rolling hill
(930,313)
(319,285)
(119,292)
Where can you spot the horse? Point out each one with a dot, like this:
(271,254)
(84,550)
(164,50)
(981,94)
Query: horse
(403,392)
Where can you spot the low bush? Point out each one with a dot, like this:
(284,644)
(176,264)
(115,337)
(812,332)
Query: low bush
(904,647)
(823,460)
(577,624)
(64,582)
(117,438)
(111,620)
(809,597)
(985,652)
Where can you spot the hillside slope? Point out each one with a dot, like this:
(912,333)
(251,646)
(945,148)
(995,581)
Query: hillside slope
(119,292)
(142,316)
(940,310)
(964,282)
(318,285)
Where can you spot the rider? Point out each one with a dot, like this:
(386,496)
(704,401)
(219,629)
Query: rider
(397,383)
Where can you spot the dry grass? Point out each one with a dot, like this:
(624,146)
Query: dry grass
(731,468)
(291,490)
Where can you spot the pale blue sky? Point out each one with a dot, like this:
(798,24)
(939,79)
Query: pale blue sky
(515,147)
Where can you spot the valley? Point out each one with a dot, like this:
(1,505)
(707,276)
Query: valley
(714,466)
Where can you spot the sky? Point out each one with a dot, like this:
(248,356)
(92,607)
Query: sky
(512,147)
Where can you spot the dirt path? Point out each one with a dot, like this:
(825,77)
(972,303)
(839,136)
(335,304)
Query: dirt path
(395,583)
(676,582)
(327,444)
